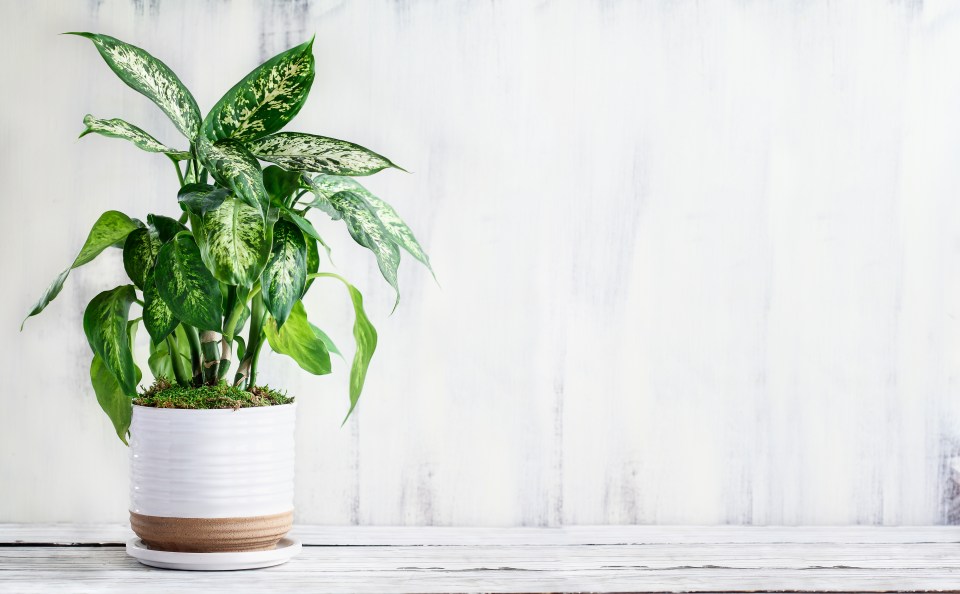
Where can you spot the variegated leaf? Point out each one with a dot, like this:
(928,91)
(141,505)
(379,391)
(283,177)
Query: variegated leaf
(139,254)
(313,260)
(186,286)
(367,230)
(235,242)
(117,128)
(152,78)
(105,324)
(297,151)
(266,99)
(235,168)
(397,228)
(328,185)
(112,227)
(285,275)
(157,315)
(201,198)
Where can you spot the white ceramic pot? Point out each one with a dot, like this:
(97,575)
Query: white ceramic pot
(212,480)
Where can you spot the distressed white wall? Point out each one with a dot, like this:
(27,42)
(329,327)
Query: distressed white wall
(699,260)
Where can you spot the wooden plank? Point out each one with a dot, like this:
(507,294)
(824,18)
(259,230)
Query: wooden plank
(586,558)
(569,535)
(417,569)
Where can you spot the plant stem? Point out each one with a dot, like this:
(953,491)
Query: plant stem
(176,166)
(194,340)
(179,371)
(248,367)
(211,356)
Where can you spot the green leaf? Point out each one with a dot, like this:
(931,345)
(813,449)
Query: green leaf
(139,254)
(186,286)
(112,227)
(330,185)
(298,341)
(235,242)
(157,315)
(367,230)
(160,363)
(298,151)
(105,324)
(152,78)
(266,99)
(117,128)
(166,227)
(235,168)
(307,227)
(285,275)
(111,397)
(280,183)
(201,198)
(326,340)
(365,336)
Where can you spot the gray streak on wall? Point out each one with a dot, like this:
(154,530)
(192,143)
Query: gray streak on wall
(697,260)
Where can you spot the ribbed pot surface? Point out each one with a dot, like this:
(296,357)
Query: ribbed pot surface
(212,480)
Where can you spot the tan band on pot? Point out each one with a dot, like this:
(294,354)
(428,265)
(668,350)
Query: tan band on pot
(211,535)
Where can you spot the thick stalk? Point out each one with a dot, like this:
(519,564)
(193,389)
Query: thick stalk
(179,371)
(193,339)
(211,355)
(226,343)
(248,366)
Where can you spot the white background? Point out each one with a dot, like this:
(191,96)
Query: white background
(698,260)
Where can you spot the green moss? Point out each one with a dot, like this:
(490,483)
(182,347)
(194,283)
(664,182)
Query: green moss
(164,394)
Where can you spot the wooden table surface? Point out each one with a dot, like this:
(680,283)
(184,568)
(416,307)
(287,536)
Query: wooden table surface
(77,558)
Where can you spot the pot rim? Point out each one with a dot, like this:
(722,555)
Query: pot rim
(245,409)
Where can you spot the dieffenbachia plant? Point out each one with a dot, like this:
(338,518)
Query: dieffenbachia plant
(243,252)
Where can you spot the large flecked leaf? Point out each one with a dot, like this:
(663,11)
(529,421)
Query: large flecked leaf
(157,315)
(110,396)
(105,324)
(297,340)
(367,230)
(285,275)
(235,168)
(152,78)
(330,185)
(235,242)
(201,198)
(266,99)
(298,151)
(117,128)
(139,254)
(322,194)
(365,336)
(110,228)
(186,286)
(313,260)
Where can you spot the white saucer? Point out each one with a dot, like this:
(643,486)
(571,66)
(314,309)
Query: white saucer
(284,551)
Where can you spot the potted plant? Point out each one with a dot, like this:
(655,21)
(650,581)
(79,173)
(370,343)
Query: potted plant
(211,450)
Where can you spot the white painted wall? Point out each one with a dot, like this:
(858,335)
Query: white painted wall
(699,260)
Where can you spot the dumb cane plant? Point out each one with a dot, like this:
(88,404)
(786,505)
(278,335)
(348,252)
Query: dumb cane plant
(242,253)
